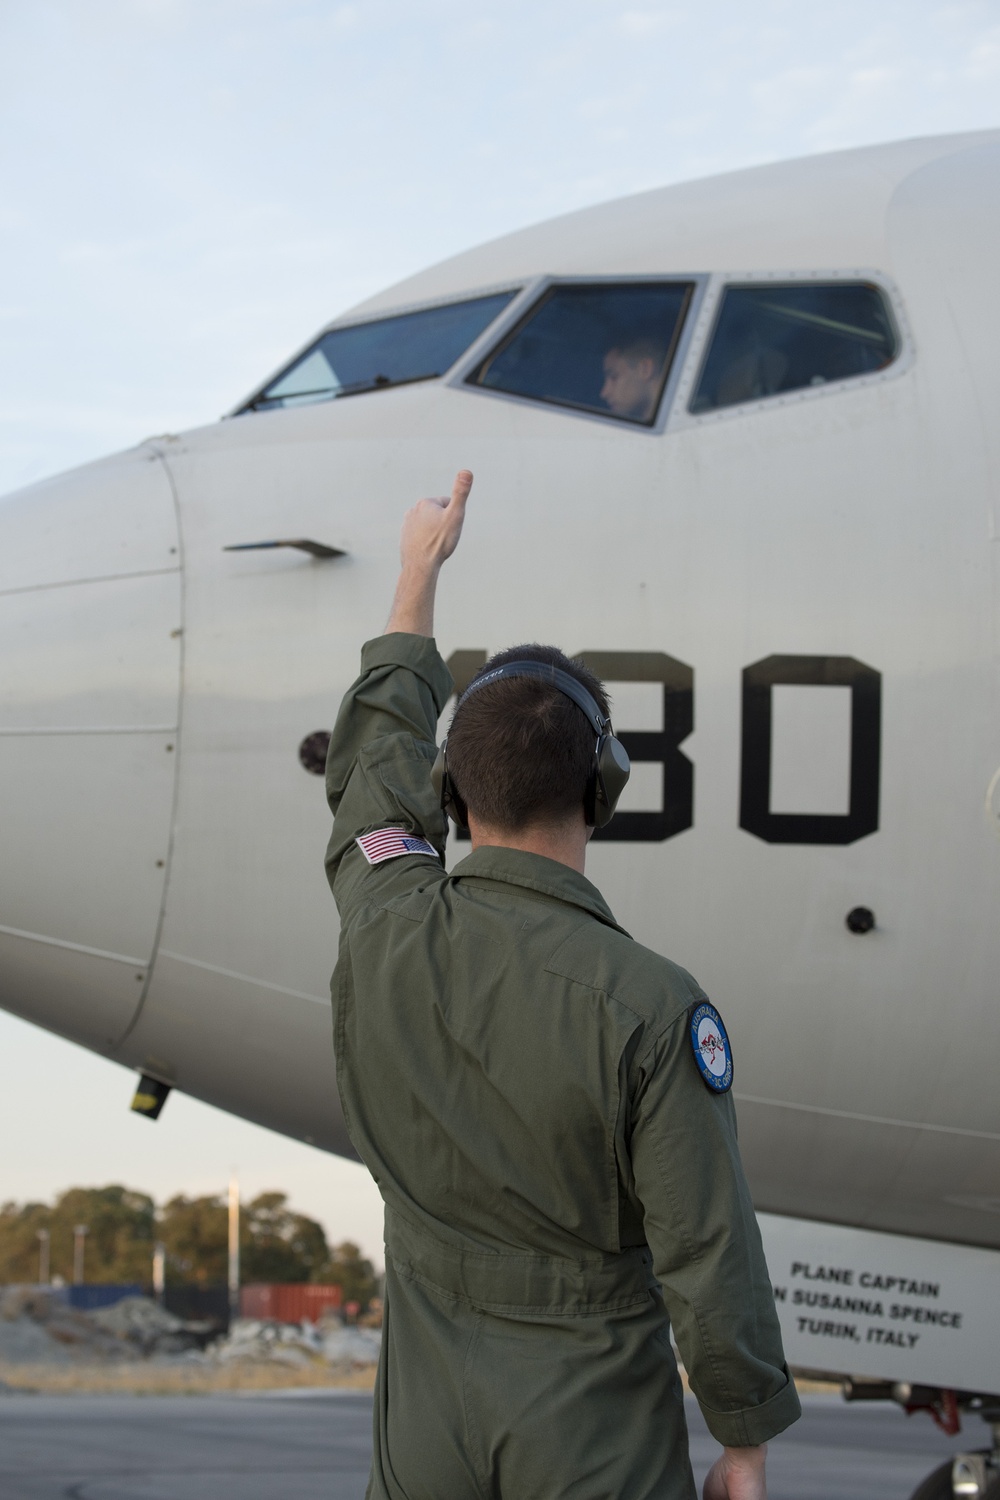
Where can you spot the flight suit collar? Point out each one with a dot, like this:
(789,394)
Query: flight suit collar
(536,873)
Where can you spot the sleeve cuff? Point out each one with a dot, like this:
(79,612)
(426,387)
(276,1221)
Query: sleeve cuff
(418,654)
(754,1424)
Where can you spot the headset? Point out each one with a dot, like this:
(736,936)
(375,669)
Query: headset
(611,767)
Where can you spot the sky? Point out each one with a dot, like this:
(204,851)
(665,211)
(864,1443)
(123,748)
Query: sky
(190,188)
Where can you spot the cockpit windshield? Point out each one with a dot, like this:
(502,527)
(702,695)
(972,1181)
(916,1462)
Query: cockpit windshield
(386,352)
(770,339)
(604,347)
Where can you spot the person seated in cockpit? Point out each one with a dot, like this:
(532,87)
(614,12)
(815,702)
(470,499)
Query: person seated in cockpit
(633,378)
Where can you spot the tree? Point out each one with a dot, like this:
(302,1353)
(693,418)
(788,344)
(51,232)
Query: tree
(279,1245)
(119,1243)
(195,1235)
(276,1243)
(19,1239)
(348,1269)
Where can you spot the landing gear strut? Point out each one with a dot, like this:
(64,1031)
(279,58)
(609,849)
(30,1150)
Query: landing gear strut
(974,1475)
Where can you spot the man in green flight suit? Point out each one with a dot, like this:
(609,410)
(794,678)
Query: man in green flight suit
(529,1088)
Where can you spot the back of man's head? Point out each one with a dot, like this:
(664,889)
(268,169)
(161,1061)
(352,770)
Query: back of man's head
(520,753)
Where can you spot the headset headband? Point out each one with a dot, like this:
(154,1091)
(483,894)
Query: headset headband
(610,767)
(556,678)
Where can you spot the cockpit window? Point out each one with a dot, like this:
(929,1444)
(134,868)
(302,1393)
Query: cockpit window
(387,352)
(597,348)
(772,338)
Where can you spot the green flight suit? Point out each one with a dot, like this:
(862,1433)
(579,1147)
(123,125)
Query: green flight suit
(560,1185)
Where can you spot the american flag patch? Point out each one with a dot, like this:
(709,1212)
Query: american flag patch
(390,843)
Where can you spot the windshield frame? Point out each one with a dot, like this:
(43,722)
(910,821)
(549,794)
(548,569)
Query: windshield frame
(518,312)
(516,288)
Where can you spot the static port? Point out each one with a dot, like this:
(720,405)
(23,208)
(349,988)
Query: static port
(860,919)
(312,751)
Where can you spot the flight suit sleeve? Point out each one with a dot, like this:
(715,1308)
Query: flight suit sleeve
(380,757)
(706,1246)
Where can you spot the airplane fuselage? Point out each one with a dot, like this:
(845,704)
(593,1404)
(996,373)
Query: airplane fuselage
(795,597)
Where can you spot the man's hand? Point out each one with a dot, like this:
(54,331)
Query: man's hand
(430,535)
(738,1474)
(432,528)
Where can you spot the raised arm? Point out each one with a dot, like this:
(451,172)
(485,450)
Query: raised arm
(430,535)
(383,745)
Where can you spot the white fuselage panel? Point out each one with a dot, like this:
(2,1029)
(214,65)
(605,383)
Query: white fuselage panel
(885,1307)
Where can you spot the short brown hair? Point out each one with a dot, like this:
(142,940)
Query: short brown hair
(640,346)
(520,751)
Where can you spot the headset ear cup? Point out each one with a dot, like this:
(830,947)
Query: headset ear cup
(447,796)
(611,775)
(439,773)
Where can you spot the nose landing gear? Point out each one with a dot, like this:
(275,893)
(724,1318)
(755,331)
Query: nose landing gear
(974,1475)
(971,1474)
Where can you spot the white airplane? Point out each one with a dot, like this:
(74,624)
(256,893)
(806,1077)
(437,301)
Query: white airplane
(736,441)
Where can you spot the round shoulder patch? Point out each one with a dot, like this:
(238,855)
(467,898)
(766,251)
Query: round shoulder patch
(711,1048)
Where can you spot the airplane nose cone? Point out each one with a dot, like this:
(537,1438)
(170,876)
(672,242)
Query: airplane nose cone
(90,653)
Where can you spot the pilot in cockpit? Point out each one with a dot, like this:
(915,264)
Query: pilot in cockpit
(633,377)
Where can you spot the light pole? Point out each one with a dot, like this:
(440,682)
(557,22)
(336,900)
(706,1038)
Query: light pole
(43,1256)
(234,1246)
(159,1272)
(79,1235)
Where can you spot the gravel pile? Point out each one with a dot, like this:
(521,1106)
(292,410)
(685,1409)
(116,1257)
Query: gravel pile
(150,1328)
(37,1327)
(263,1342)
(351,1346)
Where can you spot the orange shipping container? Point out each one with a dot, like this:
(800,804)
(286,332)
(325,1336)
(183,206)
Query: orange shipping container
(289,1302)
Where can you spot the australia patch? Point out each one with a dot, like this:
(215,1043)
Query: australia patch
(390,843)
(711,1048)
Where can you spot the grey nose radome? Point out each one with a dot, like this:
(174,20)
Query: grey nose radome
(90,649)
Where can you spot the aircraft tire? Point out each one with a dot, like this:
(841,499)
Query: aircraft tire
(937,1486)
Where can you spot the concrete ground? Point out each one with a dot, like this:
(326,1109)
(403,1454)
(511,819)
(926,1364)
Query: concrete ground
(296,1446)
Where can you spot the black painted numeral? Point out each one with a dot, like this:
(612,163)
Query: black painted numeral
(660,746)
(866,729)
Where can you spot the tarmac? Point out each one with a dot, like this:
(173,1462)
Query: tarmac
(316,1446)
